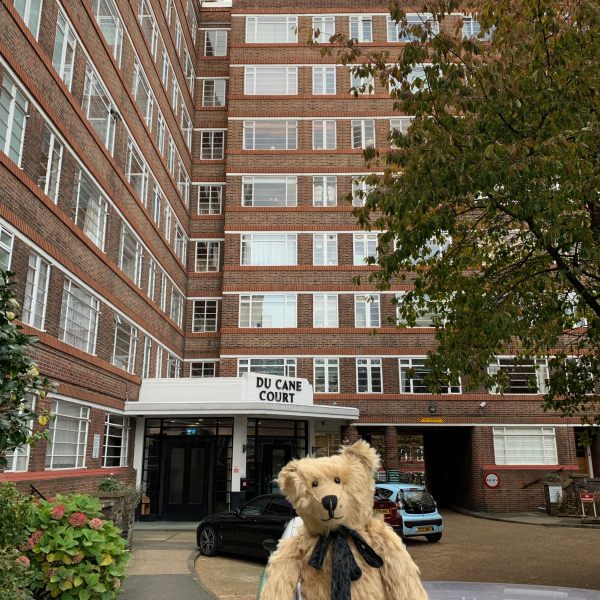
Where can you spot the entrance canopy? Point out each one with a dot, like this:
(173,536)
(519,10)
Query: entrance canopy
(251,395)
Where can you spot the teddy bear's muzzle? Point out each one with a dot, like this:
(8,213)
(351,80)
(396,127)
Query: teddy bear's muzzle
(330,504)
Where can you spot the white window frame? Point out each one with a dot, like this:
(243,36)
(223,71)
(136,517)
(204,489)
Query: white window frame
(52,149)
(35,297)
(255,75)
(322,79)
(137,179)
(124,344)
(362,25)
(256,134)
(207,256)
(163,291)
(218,46)
(512,442)
(105,126)
(325,25)
(251,187)
(541,373)
(7,240)
(362,86)
(424,319)
(326,365)
(116,427)
(159,362)
(288,242)
(326,183)
(367,311)
(252,309)
(14,114)
(362,242)
(361,133)
(217,96)
(325,249)
(104,18)
(472,29)
(326,311)
(324,134)
(129,241)
(63,55)
(29,14)
(414,364)
(85,341)
(370,364)
(147,357)
(82,420)
(203,367)
(207,322)
(271,29)
(394,29)
(212,203)
(142,94)
(177,306)
(210,149)
(261,364)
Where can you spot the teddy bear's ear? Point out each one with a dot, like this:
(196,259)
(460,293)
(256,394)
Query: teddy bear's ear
(289,480)
(363,452)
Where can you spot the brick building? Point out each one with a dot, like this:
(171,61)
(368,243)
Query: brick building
(174,176)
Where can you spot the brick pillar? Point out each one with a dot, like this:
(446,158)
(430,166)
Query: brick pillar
(349,434)
(595,451)
(390,460)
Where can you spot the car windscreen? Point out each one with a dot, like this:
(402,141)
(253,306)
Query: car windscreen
(383,494)
(417,501)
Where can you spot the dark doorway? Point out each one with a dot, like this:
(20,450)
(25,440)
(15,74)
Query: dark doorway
(187,479)
(274,456)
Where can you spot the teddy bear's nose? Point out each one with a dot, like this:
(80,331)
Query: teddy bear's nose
(329,502)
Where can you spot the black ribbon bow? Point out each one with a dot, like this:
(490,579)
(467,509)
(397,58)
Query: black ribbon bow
(345,570)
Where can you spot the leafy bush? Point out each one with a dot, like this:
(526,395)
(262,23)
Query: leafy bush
(131,493)
(109,484)
(78,555)
(16,575)
(570,504)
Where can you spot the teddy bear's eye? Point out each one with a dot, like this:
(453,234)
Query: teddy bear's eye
(337,480)
(315,483)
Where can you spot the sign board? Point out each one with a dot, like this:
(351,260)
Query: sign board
(555,493)
(492,480)
(586,496)
(393,476)
(381,476)
(431,420)
(96,446)
(274,390)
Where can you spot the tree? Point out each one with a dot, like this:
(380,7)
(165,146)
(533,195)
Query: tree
(489,203)
(19,377)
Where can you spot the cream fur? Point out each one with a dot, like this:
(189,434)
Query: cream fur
(355,466)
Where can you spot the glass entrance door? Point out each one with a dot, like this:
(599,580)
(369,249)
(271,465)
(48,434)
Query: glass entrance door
(274,458)
(187,480)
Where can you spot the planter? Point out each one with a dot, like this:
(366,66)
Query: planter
(116,507)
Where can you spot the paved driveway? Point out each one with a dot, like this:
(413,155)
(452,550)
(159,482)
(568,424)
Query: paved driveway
(471,550)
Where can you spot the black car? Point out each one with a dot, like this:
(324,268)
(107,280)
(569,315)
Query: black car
(245,529)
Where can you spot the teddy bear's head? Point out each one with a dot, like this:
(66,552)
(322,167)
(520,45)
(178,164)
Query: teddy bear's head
(331,491)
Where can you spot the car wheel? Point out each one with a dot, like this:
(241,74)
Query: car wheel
(207,541)
(434,537)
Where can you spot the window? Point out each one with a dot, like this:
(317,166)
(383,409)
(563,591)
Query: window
(36,291)
(215,42)
(180,242)
(367,311)
(149,26)
(147,357)
(110,24)
(68,435)
(271,81)
(324,81)
(79,317)
(207,256)
(325,310)
(175,95)
(159,361)
(65,42)
(325,190)
(363,133)
(151,278)
(472,29)
(165,71)
(178,36)
(269,310)
(282,367)
(362,85)
(116,441)
(142,94)
(203,368)
(210,199)
(398,128)
(30,11)
(168,222)
(522,377)
(214,92)
(324,135)
(188,70)
(205,315)
(424,316)
(270,135)
(50,164)
(98,109)
(157,203)
(525,446)
(130,255)
(365,246)
(125,345)
(417,79)
(13,115)
(369,376)
(177,306)
(326,375)
(361,28)
(263,249)
(270,191)
(18,459)
(323,28)
(412,378)
(360,191)
(160,133)
(6,246)
(91,209)
(171,156)
(137,172)
(424,21)
(163,291)
(271,29)
(212,145)
(325,249)
(183,183)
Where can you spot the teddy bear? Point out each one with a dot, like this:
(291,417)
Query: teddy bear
(343,552)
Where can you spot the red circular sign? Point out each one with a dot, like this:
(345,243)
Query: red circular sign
(492,480)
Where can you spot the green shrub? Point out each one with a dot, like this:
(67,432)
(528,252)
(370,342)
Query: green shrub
(78,555)
(109,484)
(16,575)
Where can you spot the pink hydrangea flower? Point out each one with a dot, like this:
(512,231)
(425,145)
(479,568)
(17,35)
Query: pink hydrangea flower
(24,560)
(78,558)
(58,512)
(96,523)
(77,519)
(34,538)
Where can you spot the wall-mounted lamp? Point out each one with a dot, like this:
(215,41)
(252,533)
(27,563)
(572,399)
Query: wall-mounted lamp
(482,405)
(432,408)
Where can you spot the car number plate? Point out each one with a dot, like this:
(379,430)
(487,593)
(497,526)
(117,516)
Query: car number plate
(381,511)
(424,529)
